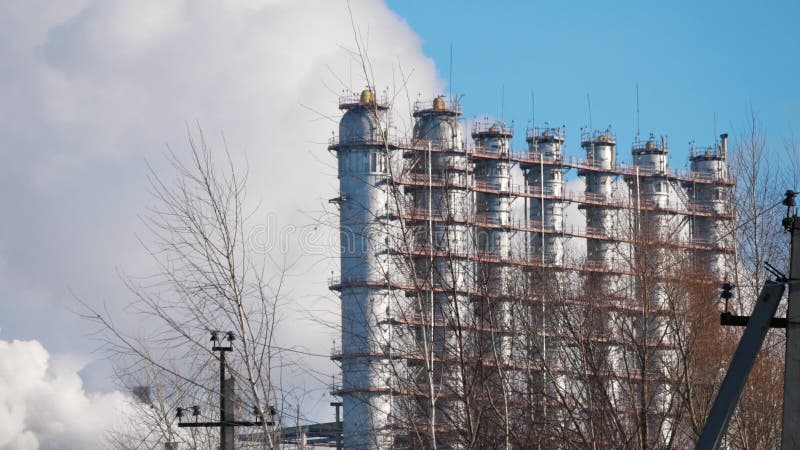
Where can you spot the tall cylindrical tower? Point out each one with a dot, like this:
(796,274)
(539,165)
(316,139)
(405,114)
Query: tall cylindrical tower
(542,168)
(445,199)
(711,192)
(604,288)
(544,180)
(492,238)
(444,232)
(655,264)
(493,188)
(366,272)
(600,221)
(650,158)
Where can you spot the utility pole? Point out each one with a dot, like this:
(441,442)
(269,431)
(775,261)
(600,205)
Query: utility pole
(338,426)
(758,324)
(226,423)
(790,437)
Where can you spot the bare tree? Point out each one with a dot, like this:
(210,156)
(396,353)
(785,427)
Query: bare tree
(207,280)
(758,189)
(762,179)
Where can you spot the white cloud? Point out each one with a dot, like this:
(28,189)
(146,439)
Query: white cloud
(44,406)
(91,88)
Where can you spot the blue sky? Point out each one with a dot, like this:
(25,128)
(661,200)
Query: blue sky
(691,61)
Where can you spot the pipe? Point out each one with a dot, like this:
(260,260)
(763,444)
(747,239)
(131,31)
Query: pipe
(724,144)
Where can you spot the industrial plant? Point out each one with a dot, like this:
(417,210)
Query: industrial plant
(475,308)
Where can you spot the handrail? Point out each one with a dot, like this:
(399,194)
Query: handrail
(529,157)
(492,126)
(451,105)
(544,133)
(607,136)
(710,151)
(354,99)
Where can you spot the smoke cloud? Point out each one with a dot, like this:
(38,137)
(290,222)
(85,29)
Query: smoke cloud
(92,89)
(43,405)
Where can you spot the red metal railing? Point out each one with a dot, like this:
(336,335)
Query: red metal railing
(492,126)
(544,133)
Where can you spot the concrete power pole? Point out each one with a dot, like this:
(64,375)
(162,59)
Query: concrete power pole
(227,394)
(790,438)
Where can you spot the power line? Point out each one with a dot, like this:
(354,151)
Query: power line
(301,352)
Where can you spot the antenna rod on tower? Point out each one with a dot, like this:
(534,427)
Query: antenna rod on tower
(533,110)
(450,83)
(715,130)
(589,104)
(502,102)
(638,120)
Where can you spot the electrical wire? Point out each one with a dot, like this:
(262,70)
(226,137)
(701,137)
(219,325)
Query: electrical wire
(301,352)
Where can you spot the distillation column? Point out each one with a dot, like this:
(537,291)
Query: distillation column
(365,232)
(600,219)
(446,238)
(545,179)
(651,188)
(605,287)
(605,256)
(542,169)
(712,195)
(493,234)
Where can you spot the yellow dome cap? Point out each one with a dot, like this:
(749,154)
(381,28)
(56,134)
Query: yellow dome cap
(438,104)
(367,97)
